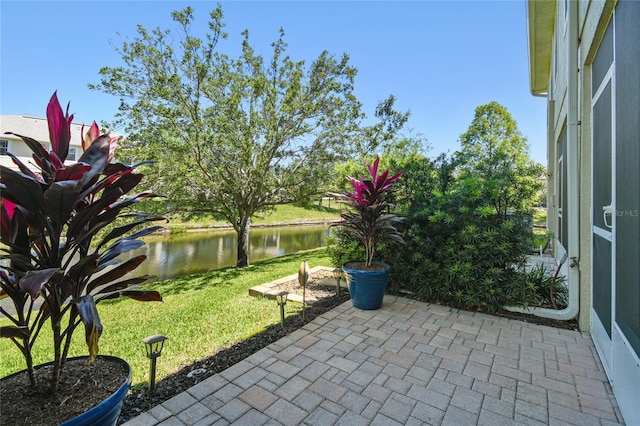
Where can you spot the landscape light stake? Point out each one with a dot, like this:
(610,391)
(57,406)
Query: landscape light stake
(154,345)
(337,274)
(281,298)
(303,277)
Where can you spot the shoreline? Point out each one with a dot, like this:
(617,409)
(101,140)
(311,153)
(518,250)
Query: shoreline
(228,226)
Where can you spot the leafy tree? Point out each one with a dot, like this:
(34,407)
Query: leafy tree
(495,153)
(236,136)
(398,154)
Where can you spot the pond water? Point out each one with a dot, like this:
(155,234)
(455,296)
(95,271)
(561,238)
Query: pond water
(188,253)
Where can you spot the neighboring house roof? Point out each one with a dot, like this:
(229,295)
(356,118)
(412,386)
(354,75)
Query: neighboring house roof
(541,18)
(35,128)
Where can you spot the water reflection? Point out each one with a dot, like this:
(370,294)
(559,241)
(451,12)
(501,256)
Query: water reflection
(184,254)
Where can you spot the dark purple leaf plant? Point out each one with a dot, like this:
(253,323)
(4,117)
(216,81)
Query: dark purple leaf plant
(53,270)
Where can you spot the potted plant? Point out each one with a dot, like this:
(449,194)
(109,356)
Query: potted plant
(63,227)
(369,218)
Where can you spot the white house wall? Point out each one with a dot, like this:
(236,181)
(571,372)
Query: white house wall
(621,361)
(593,18)
(558,102)
(36,128)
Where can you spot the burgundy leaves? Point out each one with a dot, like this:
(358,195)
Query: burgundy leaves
(59,130)
(368,215)
(370,191)
(49,219)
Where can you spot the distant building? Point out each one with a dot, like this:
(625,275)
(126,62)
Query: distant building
(584,58)
(35,128)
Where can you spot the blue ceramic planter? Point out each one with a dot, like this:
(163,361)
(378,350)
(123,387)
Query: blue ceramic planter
(367,288)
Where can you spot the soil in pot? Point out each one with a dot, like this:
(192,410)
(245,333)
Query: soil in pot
(362,266)
(81,387)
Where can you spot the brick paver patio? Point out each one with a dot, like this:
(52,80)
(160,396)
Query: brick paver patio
(408,363)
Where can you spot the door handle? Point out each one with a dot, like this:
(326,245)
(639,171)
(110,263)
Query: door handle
(607,210)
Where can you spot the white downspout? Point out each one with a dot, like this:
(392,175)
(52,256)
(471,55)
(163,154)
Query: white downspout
(573,199)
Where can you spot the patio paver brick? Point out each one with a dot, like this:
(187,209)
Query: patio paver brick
(408,363)
(332,407)
(308,400)
(207,387)
(251,418)
(321,417)
(159,412)
(427,413)
(179,402)
(228,392)
(172,421)
(352,419)
(328,390)
(194,413)
(286,413)
(489,418)
(258,398)
(145,419)
(292,387)
(456,416)
(233,409)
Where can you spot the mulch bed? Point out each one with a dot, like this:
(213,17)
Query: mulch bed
(533,319)
(571,324)
(320,285)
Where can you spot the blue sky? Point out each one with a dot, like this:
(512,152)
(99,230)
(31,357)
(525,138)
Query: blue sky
(441,59)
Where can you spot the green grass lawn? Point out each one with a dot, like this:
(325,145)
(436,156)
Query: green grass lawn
(540,217)
(200,314)
(286,213)
(289,213)
(540,235)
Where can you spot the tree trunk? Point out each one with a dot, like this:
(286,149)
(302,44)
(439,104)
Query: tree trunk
(57,343)
(243,242)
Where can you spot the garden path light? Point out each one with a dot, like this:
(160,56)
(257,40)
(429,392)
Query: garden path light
(281,298)
(154,345)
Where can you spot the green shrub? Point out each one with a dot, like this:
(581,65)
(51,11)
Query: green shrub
(344,247)
(459,251)
(177,229)
(551,292)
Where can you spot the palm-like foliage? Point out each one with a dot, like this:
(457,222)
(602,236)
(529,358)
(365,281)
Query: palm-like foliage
(48,220)
(368,216)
